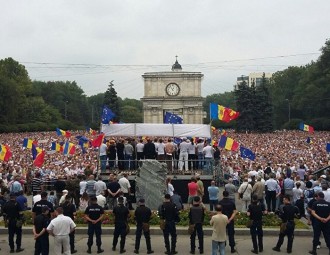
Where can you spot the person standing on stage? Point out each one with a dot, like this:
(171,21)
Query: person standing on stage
(321,214)
(94,214)
(121,221)
(287,213)
(196,218)
(142,217)
(229,209)
(255,211)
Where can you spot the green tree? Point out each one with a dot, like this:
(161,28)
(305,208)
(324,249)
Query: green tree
(244,102)
(263,112)
(131,114)
(112,101)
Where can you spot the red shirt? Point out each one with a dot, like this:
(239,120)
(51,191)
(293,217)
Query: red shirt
(192,187)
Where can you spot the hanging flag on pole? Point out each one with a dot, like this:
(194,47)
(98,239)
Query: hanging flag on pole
(305,127)
(228,143)
(219,112)
(107,115)
(171,118)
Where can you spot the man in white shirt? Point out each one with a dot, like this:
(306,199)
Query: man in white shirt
(208,152)
(82,186)
(183,157)
(60,228)
(100,186)
(103,156)
(101,200)
(125,187)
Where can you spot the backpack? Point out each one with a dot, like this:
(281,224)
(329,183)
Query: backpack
(309,193)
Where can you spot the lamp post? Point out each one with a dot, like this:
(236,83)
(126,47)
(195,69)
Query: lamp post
(289,109)
(65,110)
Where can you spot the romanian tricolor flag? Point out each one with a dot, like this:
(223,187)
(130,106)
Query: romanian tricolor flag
(27,143)
(228,143)
(222,131)
(5,153)
(91,131)
(38,156)
(69,148)
(60,132)
(222,113)
(305,127)
(56,147)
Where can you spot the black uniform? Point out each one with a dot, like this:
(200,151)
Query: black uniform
(37,208)
(121,220)
(113,186)
(69,210)
(256,211)
(322,209)
(42,242)
(168,212)
(228,208)
(12,214)
(196,217)
(94,211)
(287,215)
(142,216)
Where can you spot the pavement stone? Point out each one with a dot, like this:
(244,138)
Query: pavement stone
(301,245)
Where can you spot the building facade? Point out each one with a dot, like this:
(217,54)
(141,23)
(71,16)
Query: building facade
(175,91)
(252,78)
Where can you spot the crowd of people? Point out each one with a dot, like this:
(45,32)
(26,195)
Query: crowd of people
(280,180)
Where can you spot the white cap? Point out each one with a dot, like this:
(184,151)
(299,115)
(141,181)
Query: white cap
(323,176)
(65,191)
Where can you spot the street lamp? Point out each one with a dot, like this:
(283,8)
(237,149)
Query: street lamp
(289,108)
(65,110)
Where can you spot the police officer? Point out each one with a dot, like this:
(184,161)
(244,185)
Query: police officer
(121,224)
(142,217)
(229,209)
(196,218)
(37,208)
(321,214)
(169,213)
(94,214)
(255,211)
(40,233)
(69,210)
(12,214)
(287,213)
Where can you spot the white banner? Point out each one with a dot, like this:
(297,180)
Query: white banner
(147,129)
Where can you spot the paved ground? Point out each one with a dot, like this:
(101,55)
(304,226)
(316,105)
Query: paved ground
(244,245)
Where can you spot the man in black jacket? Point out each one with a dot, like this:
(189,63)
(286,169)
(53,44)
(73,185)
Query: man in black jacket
(287,213)
(121,221)
(169,213)
(149,150)
(69,210)
(142,218)
(94,215)
(40,233)
(196,218)
(12,213)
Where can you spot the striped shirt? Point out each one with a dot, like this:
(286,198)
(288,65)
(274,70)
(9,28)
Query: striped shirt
(36,184)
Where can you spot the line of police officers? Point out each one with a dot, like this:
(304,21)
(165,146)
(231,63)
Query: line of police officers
(43,212)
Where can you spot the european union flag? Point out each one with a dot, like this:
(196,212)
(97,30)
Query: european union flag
(247,153)
(172,118)
(328,147)
(107,115)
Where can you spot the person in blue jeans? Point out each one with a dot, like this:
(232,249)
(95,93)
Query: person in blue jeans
(219,236)
(213,195)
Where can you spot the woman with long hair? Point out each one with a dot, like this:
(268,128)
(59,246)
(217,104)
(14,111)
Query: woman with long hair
(84,199)
(169,186)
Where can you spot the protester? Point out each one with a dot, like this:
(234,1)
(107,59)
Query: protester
(213,195)
(219,223)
